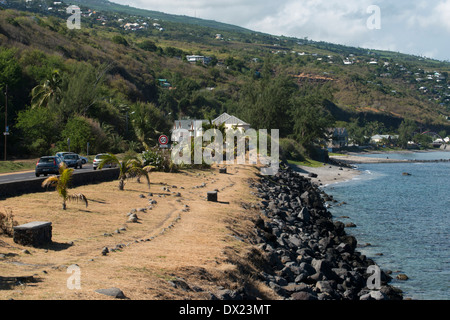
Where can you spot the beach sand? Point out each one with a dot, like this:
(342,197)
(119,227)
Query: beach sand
(331,174)
(328,174)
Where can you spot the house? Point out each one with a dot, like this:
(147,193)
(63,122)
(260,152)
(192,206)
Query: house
(164,83)
(231,122)
(186,128)
(194,128)
(131,26)
(338,138)
(195,58)
(380,138)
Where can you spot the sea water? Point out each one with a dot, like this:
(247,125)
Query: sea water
(402,221)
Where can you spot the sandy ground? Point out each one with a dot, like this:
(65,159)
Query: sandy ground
(354,159)
(328,174)
(182,236)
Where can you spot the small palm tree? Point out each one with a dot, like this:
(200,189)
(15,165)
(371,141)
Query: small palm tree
(61,183)
(130,167)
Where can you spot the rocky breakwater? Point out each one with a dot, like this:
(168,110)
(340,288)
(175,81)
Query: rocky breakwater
(310,255)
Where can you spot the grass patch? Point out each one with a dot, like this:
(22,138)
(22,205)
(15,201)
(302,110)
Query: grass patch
(15,166)
(307,163)
(334,154)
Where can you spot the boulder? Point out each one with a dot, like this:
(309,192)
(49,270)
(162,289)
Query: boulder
(304,215)
(302,295)
(112,292)
(402,277)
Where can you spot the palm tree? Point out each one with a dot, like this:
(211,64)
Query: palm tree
(147,122)
(130,167)
(51,89)
(211,125)
(61,183)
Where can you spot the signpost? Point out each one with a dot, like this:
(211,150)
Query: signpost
(6,133)
(163,141)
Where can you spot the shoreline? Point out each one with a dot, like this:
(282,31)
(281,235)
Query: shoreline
(311,253)
(327,175)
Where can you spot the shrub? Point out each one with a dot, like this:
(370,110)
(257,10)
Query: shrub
(160,159)
(148,45)
(120,40)
(7,223)
(291,150)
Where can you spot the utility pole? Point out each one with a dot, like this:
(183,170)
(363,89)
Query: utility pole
(6,117)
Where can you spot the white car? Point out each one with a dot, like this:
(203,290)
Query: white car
(98,159)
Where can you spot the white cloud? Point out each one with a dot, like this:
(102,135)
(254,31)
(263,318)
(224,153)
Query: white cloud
(442,12)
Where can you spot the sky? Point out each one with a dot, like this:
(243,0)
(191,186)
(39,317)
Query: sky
(416,27)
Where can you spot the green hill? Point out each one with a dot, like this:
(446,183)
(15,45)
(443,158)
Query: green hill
(111,75)
(115,7)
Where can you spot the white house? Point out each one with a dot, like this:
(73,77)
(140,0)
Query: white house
(193,127)
(195,58)
(183,128)
(231,122)
(379,138)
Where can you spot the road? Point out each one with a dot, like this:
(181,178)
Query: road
(29,175)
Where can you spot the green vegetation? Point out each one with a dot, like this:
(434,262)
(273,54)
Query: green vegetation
(129,167)
(119,87)
(307,163)
(61,183)
(14,166)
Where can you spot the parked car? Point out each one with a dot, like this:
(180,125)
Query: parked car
(84,160)
(73,160)
(62,154)
(47,165)
(97,160)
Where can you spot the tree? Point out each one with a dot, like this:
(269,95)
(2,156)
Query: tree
(10,71)
(147,45)
(78,130)
(120,40)
(311,119)
(39,129)
(80,90)
(210,125)
(61,183)
(356,132)
(148,123)
(130,167)
(50,90)
(406,130)
(267,102)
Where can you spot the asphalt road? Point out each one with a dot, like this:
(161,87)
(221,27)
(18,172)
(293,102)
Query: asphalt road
(29,175)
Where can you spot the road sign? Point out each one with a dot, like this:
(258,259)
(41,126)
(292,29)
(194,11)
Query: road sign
(163,140)
(6,133)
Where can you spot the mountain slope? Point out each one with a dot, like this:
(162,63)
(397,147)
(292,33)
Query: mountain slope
(119,8)
(370,85)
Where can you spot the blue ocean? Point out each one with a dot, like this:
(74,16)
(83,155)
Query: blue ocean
(402,221)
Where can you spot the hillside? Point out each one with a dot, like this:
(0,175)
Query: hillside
(130,50)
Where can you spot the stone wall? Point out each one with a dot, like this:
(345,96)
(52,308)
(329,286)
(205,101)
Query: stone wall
(34,234)
(17,188)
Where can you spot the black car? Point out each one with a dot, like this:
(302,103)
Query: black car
(46,165)
(72,160)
